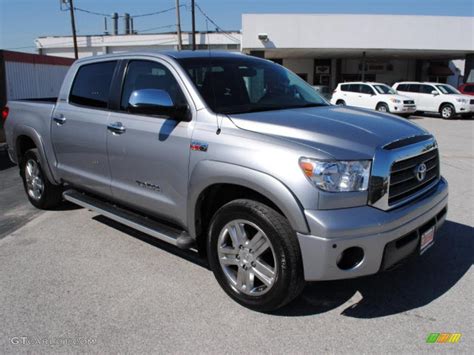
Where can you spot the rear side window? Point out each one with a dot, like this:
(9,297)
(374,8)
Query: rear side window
(402,87)
(414,88)
(92,85)
(345,87)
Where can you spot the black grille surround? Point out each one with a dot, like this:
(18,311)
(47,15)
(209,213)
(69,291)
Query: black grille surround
(472,102)
(403,180)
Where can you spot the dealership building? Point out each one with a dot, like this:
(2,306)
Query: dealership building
(324,49)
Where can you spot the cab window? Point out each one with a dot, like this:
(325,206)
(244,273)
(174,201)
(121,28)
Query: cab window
(91,85)
(142,74)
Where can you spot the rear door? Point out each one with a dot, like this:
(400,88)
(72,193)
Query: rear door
(352,95)
(79,128)
(149,159)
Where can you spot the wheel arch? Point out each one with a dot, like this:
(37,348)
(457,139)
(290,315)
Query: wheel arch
(211,178)
(27,138)
(446,103)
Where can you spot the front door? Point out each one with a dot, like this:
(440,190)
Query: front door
(149,156)
(79,129)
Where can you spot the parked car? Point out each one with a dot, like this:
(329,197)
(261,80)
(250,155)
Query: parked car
(323,90)
(437,98)
(376,96)
(239,158)
(467,89)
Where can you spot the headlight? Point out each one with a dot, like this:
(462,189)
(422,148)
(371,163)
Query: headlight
(337,176)
(461,100)
(396,101)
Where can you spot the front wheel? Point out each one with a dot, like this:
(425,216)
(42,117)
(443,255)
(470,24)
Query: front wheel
(447,111)
(255,255)
(382,107)
(41,193)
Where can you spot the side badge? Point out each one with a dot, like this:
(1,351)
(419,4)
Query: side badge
(199,146)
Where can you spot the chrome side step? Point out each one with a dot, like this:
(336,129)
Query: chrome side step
(148,226)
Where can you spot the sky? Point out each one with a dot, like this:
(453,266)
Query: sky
(21,21)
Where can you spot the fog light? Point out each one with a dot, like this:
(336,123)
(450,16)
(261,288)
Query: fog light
(350,258)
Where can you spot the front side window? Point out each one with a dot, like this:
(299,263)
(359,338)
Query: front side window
(247,84)
(92,84)
(384,90)
(142,74)
(366,89)
(426,89)
(447,89)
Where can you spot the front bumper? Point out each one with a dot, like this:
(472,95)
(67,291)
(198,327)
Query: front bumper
(402,108)
(369,228)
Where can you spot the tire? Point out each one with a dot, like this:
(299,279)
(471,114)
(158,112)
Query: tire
(382,107)
(447,111)
(41,193)
(281,255)
(340,103)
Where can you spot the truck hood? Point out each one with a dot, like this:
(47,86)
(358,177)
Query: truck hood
(338,131)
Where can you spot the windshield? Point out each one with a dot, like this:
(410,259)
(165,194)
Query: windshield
(447,89)
(384,89)
(248,84)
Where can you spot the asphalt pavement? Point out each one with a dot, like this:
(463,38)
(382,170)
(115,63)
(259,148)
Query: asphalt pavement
(74,281)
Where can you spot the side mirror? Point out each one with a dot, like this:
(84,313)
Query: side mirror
(156,102)
(435,93)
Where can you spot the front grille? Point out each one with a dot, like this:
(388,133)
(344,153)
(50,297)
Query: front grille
(403,179)
(409,102)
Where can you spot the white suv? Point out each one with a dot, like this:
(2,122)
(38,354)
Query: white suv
(437,97)
(376,96)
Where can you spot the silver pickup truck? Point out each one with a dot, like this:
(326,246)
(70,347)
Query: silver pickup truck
(237,158)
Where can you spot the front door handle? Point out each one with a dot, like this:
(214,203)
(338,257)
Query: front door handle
(116,127)
(59,120)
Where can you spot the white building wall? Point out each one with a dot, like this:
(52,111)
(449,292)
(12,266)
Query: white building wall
(339,31)
(28,80)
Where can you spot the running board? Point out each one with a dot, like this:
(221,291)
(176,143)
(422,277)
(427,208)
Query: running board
(143,224)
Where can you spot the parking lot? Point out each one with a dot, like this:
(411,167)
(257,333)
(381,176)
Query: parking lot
(72,280)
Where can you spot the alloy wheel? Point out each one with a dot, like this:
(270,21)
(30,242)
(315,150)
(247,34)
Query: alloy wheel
(34,179)
(247,258)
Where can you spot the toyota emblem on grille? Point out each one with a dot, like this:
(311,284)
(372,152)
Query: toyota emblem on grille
(420,171)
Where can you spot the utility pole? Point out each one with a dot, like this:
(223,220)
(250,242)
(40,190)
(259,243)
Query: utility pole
(178,26)
(73,25)
(193,16)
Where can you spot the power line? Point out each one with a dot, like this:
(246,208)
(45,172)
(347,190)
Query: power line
(90,12)
(224,32)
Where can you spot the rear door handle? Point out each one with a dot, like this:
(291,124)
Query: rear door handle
(116,127)
(60,120)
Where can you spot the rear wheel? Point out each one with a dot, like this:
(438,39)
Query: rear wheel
(382,107)
(41,193)
(255,255)
(447,111)
(340,103)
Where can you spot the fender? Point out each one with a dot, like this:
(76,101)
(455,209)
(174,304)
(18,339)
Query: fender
(208,172)
(36,138)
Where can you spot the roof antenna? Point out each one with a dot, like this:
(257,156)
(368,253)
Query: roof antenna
(219,125)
